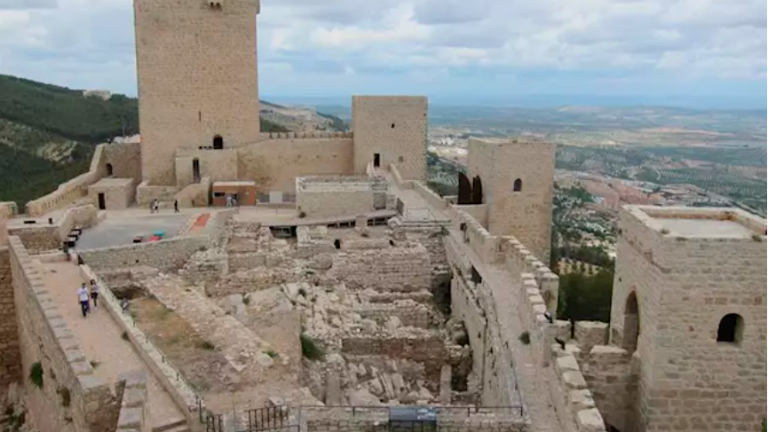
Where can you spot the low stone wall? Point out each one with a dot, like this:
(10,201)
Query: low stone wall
(518,260)
(376,419)
(8,209)
(402,184)
(171,379)
(164,255)
(429,195)
(45,237)
(45,339)
(479,212)
(395,269)
(71,191)
(146,193)
(570,394)
(250,280)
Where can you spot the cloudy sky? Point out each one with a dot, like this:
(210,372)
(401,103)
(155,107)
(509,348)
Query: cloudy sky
(654,49)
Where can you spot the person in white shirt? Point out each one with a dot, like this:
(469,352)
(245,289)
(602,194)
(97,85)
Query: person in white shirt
(82,294)
(94,293)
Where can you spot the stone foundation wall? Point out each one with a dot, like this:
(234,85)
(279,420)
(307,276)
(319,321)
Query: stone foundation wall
(125,159)
(45,338)
(397,269)
(410,313)
(10,356)
(42,236)
(146,193)
(169,254)
(428,350)
(251,280)
(134,407)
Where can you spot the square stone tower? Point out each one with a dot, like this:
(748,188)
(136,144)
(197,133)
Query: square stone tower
(391,129)
(197,78)
(689,297)
(517,181)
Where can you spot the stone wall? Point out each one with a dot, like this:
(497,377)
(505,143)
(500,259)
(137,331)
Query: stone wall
(276,163)
(395,127)
(573,401)
(125,159)
(43,236)
(45,338)
(219,165)
(8,209)
(197,77)
(427,350)
(409,312)
(10,357)
(398,269)
(146,193)
(611,376)
(71,191)
(165,255)
(319,197)
(376,419)
(119,194)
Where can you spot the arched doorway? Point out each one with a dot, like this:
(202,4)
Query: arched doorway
(631,323)
(110,170)
(477,190)
(218,142)
(465,190)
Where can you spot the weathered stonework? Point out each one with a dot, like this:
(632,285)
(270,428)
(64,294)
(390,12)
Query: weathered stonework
(525,214)
(10,356)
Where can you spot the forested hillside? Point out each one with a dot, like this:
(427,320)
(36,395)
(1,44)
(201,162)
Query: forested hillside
(48,134)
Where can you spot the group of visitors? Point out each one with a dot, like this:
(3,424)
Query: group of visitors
(232,201)
(154,206)
(86,294)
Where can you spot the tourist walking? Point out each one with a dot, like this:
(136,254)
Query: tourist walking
(94,293)
(82,295)
(175,206)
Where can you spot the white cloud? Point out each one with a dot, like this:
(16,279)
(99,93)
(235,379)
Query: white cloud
(90,42)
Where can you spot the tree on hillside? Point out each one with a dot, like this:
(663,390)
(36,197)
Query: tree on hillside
(586,298)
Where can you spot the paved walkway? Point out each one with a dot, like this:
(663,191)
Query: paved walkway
(100,339)
(532,378)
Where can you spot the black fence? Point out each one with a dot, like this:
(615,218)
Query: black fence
(271,419)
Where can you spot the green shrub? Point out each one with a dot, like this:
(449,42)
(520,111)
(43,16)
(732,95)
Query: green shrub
(302,292)
(124,336)
(272,353)
(36,374)
(525,338)
(310,349)
(95,364)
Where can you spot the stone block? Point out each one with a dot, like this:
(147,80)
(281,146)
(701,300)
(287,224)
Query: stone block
(581,400)
(574,380)
(567,363)
(130,418)
(590,421)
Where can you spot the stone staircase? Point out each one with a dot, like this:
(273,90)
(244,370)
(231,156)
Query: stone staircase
(173,425)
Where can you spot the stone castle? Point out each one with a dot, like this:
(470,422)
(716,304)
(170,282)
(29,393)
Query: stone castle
(415,300)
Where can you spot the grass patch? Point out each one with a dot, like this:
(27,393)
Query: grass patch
(525,338)
(246,300)
(206,346)
(95,364)
(757,237)
(36,374)
(302,292)
(310,349)
(124,336)
(272,353)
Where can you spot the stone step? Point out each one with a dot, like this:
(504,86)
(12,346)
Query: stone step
(180,428)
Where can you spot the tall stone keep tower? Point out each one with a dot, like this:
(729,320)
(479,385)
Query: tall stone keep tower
(689,300)
(515,179)
(197,78)
(391,130)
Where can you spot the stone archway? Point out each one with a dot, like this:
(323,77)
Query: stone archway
(477,190)
(631,323)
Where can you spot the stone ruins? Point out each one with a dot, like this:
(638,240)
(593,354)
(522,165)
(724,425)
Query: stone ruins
(351,297)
